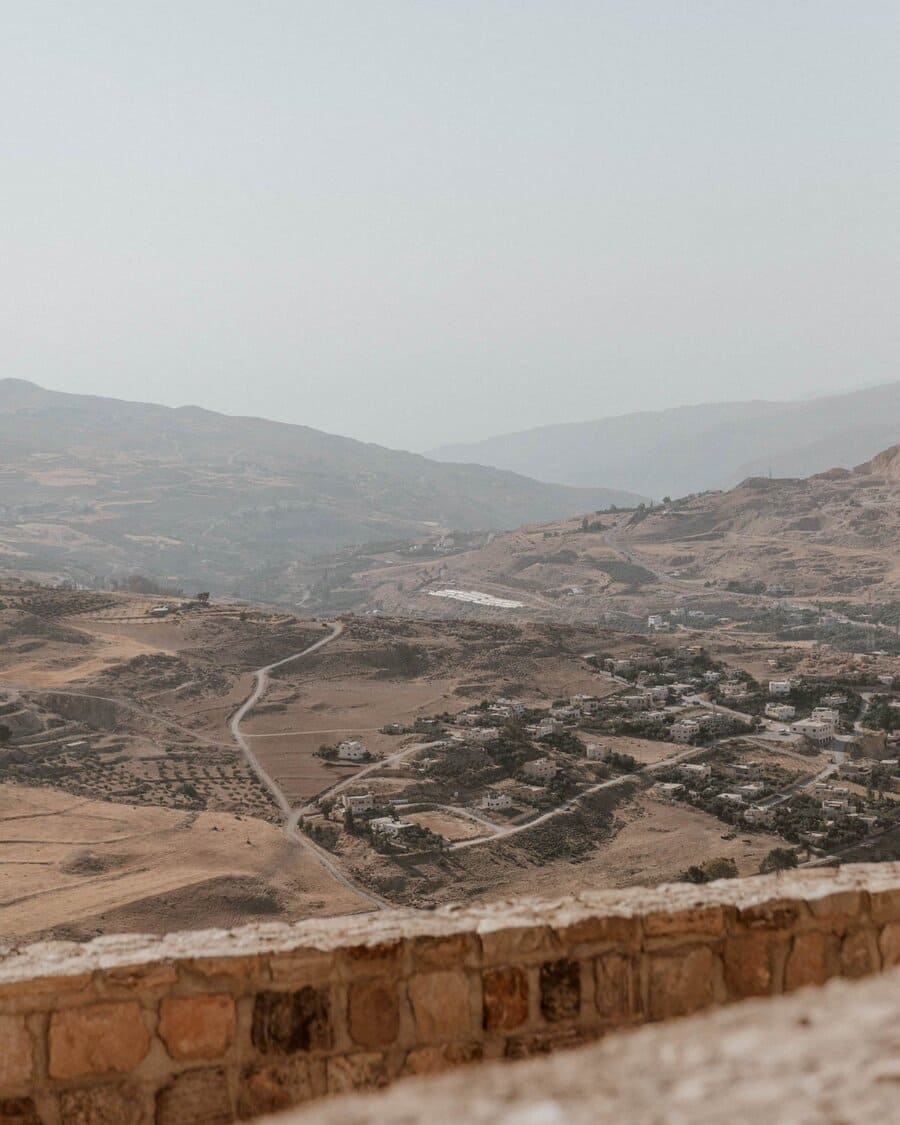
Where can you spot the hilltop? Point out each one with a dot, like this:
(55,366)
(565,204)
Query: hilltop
(99,486)
(830,536)
(692,448)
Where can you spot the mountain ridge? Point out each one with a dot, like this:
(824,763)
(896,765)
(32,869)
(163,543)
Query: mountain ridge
(94,485)
(690,449)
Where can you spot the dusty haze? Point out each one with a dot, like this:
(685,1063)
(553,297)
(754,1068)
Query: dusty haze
(418,224)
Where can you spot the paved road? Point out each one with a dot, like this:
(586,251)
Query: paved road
(513,829)
(292,816)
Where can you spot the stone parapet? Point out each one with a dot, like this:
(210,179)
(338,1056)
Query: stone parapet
(223,1025)
(821,1057)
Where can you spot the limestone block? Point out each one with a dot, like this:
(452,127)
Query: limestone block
(681,982)
(98,1039)
(284,1022)
(15,1053)
(808,961)
(373,1014)
(363,1071)
(560,990)
(889,945)
(440,1003)
(617,987)
(195,1097)
(197,1027)
(505,994)
(18,1111)
(273,1086)
(101,1105)
(749,963)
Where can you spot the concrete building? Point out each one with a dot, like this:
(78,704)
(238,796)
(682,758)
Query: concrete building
(350,751)
(826,715)
(483,736)
(780,687)
(358,802)
(495,801)
(635,702)
(783,712)
(817,732)
(683,730)
(540,769)
(668,789)
(387,826)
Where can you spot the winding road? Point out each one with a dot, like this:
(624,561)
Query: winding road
(292,816)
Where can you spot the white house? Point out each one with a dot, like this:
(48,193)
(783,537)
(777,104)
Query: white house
(387,826)
(826,715)
(668,789)
(683,730)
(548,727)
(565,713)
(737,691)
(656,621)
(635,702)
(814,730)
(751,789)
(595,752)
(358,802)
(783,712)
(350,751)
(695,771)
(483,736)
(540,769)
(758,816)
(780,687)
(494,800)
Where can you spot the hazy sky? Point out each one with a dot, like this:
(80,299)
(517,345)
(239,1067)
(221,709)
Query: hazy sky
(416,222)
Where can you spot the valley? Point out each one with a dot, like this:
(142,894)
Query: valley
(216,762)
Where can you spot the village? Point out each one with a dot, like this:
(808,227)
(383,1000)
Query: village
(793,757)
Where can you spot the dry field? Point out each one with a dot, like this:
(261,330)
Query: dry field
(653,841)
(72,867)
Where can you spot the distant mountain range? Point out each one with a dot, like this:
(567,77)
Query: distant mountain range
(98,486)
(693,448)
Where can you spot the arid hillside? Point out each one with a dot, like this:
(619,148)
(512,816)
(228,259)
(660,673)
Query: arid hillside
(93,486)
(762,548)
(834,534)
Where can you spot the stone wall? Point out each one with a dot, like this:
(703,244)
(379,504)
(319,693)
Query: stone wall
(209,1027)
(823,1056)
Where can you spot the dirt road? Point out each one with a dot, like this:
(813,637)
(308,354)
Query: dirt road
(292,816)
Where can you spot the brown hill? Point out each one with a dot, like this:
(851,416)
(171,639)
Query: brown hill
(98,486)
(886,464)
(833,535)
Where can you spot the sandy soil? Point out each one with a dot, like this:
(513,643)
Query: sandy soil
(656,841)
(447,825)
(67,865)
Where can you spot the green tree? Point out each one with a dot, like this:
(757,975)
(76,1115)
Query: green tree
(720,868)
(5,733)
(778,859)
